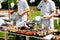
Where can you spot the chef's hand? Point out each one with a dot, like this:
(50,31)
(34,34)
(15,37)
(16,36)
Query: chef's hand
(11,11)
(20,14)
(32,11)
(47,17)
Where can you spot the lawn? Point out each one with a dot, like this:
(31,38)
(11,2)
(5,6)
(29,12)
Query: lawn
(32,17)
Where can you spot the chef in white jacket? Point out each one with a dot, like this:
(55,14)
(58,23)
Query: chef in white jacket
(48,10)
(21,15)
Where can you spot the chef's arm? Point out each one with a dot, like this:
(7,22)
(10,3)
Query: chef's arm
(53,13)
(34,9)
(38,7)
(25,11)
(14,10)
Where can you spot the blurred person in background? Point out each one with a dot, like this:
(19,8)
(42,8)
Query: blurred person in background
(0,3)
(57,11)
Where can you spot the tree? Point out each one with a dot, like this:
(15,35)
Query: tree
(57,2)
(5,4)
(35,3)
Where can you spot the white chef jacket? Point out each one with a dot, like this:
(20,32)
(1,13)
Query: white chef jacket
(22,5)
(46,8)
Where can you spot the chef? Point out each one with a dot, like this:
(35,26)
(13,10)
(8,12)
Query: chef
(23,9)
(22,14)
(48,10)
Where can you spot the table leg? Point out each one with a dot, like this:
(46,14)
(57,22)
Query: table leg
(6,36)
(27,38)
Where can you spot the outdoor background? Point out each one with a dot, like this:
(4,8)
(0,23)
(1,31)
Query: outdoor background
(6,6)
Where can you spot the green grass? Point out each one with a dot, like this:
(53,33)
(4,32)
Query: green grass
(32,15)
(55,24)
(1,34)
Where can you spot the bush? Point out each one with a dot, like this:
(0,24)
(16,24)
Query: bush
(5,4)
